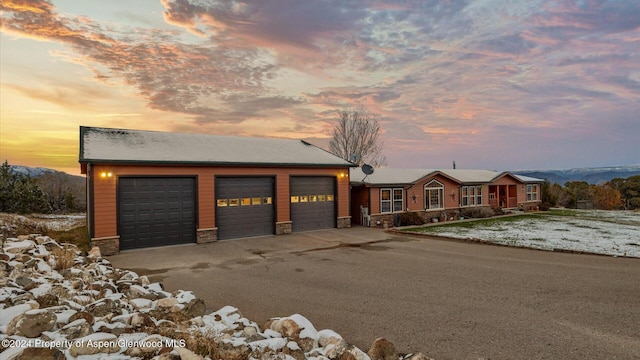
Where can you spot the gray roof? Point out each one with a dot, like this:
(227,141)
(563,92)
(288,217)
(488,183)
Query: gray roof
(137,146)
(390,176)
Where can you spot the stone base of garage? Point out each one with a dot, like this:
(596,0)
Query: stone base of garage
(109,245)
(344,222)
(283,227)
(207,235)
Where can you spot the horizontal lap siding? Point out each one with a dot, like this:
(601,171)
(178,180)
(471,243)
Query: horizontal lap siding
(104,190)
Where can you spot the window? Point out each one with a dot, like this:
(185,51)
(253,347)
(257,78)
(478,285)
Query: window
(322,197)
(391,200)
(222,202)
(329,197)
(266,200)
(256,201)
(398,199)
(234,202)
(304,198)
(313,198)
(434,195)
(532,192)
(246,201)
(295,199)
(471,195)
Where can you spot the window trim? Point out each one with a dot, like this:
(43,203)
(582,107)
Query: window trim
(531,190)
(392,201)
(473,195)
(427,194)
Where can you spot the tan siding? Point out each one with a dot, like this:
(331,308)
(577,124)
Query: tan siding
(105,210)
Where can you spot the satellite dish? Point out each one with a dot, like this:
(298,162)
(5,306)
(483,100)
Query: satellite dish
(367,169)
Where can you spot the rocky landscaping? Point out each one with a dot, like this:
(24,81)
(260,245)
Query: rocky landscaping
(56,301)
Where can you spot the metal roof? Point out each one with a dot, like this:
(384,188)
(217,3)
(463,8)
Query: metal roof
(155,147)
(390,176)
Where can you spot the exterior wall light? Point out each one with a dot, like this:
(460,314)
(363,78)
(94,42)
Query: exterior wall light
(106,175)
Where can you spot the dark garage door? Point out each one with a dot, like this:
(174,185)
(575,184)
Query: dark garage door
(155,211)
(244,206)
(312,203)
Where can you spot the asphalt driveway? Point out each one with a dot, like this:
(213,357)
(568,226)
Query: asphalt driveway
(447,299)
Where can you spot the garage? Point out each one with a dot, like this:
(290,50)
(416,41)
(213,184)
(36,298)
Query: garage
(312,203)
(156,211)
(244,206)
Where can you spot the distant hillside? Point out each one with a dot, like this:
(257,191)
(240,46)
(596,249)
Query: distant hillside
(590,175)
(57,185)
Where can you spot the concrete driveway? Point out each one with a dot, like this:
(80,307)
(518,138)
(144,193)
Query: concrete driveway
(447,299)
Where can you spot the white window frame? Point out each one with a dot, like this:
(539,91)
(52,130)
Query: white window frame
(533,192)
(394,204)
(439,189)
(473,195)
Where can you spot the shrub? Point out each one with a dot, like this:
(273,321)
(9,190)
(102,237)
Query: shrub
(410,218)
(477,212)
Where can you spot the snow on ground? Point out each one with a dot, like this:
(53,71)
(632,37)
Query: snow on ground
(614,233)
(54,222)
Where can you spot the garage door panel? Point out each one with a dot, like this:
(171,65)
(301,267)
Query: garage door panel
(156,211)
(235,220)
(312,203)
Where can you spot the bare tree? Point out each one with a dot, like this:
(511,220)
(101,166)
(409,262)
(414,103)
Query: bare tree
(356,138)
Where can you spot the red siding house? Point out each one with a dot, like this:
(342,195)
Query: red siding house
(148,188)
(440,194)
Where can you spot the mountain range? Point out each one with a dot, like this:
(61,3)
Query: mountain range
(591,175)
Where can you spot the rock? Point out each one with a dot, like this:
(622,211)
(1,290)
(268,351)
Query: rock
(22,298)
(40,354)
(292,349)
(94,253)
(47,300)
(141,320)
(227,350)
(382,349)
(195,308)
(417,356)
(77,329)
(82,315)
(186,354)
(98,343)
(104,307)
(167,302)
(297,328)
(25,282)
(32,323)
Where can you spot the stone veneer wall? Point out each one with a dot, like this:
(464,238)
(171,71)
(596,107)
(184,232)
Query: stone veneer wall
(207,235)
(344,222)
(108,245)
(283,227)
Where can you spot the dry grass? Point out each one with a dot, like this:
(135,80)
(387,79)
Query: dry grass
(12,225)
(65,257)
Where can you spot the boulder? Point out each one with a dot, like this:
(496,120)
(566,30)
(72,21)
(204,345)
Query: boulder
(98,343)
(40,354)
(82,315)
(382,349)
(32,323)
(47,300)
(77,329)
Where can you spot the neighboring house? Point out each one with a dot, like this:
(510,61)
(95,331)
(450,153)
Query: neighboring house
(148,188)
(441,194)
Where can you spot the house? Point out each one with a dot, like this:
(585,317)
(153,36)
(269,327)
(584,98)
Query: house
(149,188)
(377,197)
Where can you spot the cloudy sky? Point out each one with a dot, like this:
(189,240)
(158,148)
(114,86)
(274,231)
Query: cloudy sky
(491,84)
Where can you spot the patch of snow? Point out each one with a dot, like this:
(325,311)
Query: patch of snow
(614,233)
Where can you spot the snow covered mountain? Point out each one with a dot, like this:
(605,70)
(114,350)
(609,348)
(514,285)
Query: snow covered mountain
(590,175)
(32,171)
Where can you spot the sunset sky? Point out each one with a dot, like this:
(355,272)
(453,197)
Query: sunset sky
(491,84)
